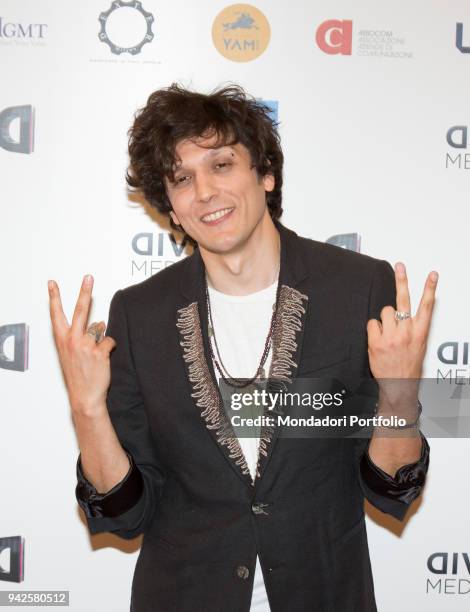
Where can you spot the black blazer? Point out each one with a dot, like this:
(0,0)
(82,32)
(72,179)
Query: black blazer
(189,490)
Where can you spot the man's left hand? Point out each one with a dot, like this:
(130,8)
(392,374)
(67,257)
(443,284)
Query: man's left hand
(397,347)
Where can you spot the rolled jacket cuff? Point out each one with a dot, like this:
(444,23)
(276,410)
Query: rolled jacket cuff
(395,494)
(122,497)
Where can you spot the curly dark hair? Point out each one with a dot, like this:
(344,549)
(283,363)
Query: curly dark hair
(174,113)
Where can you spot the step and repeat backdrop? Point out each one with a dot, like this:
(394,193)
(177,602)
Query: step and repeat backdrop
(373,103)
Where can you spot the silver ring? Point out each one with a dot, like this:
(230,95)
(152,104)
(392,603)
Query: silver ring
(401,315)
(96,330)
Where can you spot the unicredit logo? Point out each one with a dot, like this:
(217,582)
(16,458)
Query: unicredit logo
(335,36)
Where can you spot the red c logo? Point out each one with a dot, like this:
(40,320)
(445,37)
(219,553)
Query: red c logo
(339,39)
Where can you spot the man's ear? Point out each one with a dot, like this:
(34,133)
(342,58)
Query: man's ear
(269,182)
(174,218)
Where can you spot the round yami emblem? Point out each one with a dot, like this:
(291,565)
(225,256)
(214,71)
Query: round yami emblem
(241,32)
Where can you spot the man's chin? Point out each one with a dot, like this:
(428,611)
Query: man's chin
(222,245)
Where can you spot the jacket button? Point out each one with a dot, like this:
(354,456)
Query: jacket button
(243,572)
(258,508)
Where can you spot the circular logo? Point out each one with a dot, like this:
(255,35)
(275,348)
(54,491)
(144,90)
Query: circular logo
(241,32)
(126,21)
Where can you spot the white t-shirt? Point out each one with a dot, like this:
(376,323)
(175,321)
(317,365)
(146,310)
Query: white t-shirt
(241,324)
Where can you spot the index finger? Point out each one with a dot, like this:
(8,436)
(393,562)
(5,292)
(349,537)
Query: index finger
(82,307)
(58,318)
(426,305)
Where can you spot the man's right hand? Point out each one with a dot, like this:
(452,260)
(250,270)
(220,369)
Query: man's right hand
(85,363)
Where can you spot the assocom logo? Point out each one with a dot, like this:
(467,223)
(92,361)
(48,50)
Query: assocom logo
(126,27)
(335,36)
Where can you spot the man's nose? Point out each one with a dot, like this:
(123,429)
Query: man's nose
(205,187)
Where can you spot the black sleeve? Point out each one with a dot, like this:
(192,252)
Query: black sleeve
(390,495)
(129,507)
(394,495)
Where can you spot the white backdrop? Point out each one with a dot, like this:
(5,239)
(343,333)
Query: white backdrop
(364,138)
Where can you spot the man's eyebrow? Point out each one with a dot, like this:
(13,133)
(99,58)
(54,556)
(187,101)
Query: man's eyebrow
(211,153)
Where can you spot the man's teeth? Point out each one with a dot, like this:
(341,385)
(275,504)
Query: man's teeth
(216,215)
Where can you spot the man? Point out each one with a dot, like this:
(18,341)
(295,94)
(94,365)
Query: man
(237,524)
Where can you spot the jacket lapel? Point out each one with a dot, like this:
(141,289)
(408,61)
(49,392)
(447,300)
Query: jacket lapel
(287,339)
(288,333)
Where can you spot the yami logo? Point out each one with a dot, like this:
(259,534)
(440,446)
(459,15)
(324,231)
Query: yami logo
(17,129)
(14,347)
(241,32)
(12,559)
(335,36)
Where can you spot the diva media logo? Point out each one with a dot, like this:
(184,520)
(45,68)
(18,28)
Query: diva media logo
(17,129)
(126,27)
(335,36)
(459,39)
(12,559)
(457,140)
(454,356)
(449,573)
(153,252)
(14,347)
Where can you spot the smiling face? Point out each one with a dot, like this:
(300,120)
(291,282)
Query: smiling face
(216,196)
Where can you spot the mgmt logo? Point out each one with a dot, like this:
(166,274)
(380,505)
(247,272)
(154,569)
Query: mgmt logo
(12,559)
(17,129)
(19,30)
(126,27)
(335,37)
(459,39)
(18,335)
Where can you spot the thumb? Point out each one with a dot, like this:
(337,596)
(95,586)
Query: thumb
(107,344)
